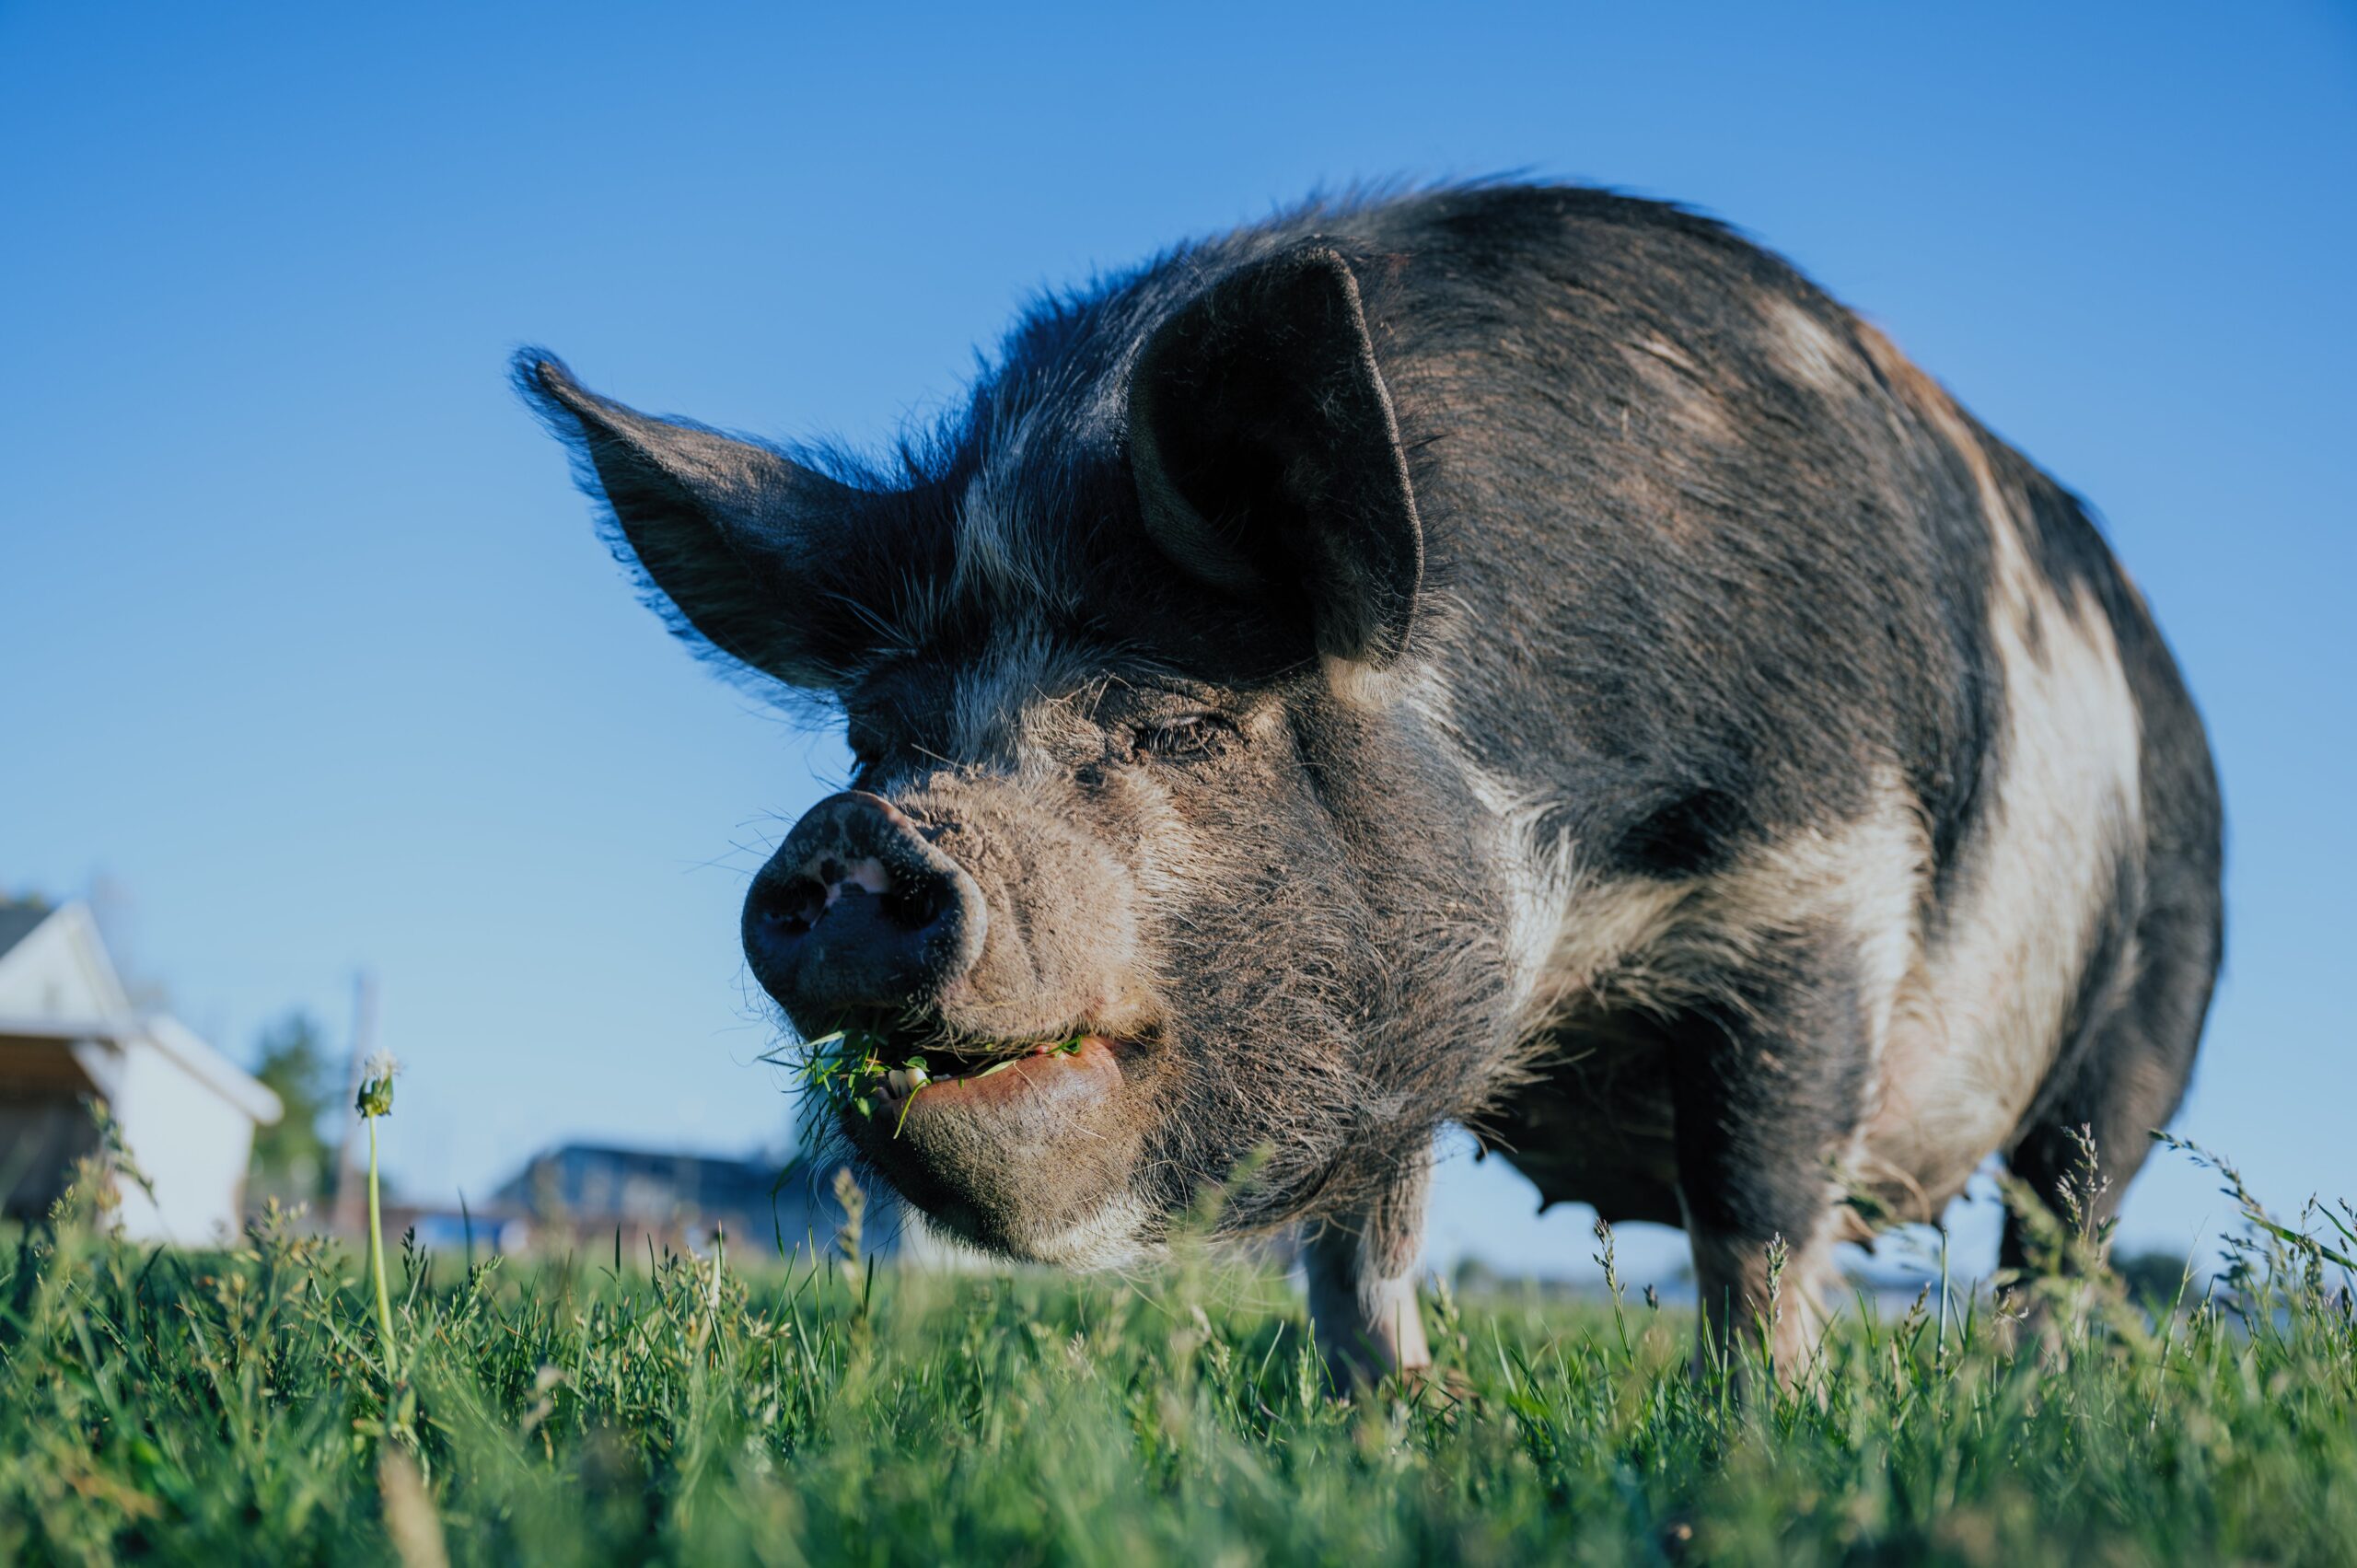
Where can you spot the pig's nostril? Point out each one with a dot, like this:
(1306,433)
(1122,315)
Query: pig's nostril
(915,908)
(795,908)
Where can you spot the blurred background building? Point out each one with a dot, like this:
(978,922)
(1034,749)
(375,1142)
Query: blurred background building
(182,1115)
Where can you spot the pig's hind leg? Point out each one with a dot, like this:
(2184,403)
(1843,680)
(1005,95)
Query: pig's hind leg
(2122,1080)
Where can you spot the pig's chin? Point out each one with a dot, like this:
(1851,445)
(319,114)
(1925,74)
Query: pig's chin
(1031,1159)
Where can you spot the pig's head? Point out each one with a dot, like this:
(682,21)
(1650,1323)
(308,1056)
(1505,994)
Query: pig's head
(1134,660)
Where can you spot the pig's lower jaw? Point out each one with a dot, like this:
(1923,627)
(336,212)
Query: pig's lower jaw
(1112,1236)
(1035,1161)
(1109,1239)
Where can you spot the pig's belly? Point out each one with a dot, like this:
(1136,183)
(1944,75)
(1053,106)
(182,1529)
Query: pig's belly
(1595,1126)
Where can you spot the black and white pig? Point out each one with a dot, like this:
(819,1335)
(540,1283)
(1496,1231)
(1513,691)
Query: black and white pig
(1513,655)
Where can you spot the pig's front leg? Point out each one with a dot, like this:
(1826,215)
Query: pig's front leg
(1767,1096)
(1362,1267)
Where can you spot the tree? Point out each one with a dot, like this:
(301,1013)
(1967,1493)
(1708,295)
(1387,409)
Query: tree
(294,1161)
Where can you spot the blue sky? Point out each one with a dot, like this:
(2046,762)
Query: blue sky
(312,653)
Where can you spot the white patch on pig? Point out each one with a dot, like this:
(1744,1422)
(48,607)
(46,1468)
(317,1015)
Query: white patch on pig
(1108,1238)
(999,560)
(1684,392)
(1804,349)
(1863,877)
(2037,876)
(1019,664)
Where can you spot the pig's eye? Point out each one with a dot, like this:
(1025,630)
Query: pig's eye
(1191,737)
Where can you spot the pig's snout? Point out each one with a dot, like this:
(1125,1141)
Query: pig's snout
(856,912)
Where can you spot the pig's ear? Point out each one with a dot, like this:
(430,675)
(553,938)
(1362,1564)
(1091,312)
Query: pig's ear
(732,534)
(1267,458)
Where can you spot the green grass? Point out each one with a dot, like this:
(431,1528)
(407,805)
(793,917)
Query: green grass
(234,1408)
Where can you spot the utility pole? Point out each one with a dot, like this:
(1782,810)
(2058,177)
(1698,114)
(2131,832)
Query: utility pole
(350,1181)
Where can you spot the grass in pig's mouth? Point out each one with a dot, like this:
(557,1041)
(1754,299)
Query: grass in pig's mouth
(870,1072)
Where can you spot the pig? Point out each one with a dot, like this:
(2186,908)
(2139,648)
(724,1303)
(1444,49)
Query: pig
(1516,656)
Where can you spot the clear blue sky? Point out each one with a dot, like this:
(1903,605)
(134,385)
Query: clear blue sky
(309,647)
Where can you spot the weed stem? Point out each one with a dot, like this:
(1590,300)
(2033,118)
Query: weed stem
(376,1261)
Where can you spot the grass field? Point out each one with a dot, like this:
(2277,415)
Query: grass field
(234,1408)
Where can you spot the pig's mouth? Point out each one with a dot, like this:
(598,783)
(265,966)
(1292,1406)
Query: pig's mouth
(892,1073)
(940,1078)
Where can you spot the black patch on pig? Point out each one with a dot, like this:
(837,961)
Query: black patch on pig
(1690,835)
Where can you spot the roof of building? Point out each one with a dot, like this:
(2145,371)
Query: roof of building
(599,1180)
(666,1159)
(564,1174)
(211,1069)
(19,921)
(121,1029)
(592,1186)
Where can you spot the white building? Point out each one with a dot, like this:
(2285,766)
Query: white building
(187,1114)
